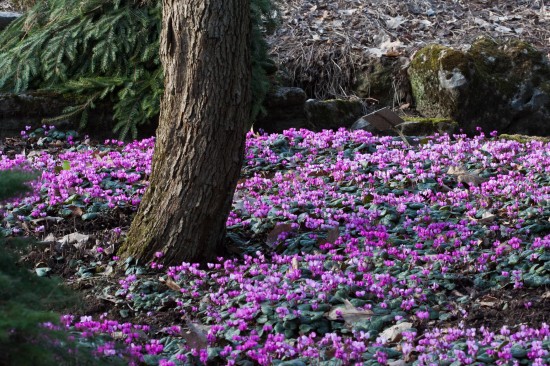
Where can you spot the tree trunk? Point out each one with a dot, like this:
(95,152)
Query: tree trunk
(205,113)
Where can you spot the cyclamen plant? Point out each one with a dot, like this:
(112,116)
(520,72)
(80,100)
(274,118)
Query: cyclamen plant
(345,237)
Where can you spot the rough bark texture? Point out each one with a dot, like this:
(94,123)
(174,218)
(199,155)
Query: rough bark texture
(199,150)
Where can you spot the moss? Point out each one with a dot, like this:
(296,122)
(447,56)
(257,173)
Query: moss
(332,113)
(421,126)
(434,57)
(424,75)
(431,121)
(490,85)
(378,80)
(343,106)
(524,138)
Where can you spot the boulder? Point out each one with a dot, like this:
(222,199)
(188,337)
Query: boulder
(333,113)
(363,124)
(496,86)
(385,80)
(284,108)
(523,139)
(411,126)
(19,110)
(31,108)
(428,126)
(6,17)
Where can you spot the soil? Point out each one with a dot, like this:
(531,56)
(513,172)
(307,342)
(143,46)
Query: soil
(510,307)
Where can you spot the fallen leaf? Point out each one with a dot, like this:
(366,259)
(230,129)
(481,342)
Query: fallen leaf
(397,363)
(172,285)
(108,271)
(503,29)
(49,239)
(333,234)
(277,230)
(457,170)
(76,239)
(294,263)
(487,218)
(393,333)
(348,312)
(470,179)
(196,336)
(396,22)
(77,211)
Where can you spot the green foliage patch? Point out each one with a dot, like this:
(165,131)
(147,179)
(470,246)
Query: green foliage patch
(101,50)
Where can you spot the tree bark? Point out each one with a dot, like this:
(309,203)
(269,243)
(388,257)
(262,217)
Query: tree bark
(205,113)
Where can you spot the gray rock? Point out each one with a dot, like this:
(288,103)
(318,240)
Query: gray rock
(284,109)
(333,113)
(29,109)
(496,86)
(413,127)
(384,79)
(362,124)
(286,97)
(6,17)
(428,126)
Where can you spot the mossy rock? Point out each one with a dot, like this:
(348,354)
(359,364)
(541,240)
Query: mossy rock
(332,114)
(524,138)
(36,108)
(419,126)
(284,107)
(383,79)
(496,86)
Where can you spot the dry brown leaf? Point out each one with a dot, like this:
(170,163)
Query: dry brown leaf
(404,106)
(107,271)
(333,234)
(457,170)
(77,239)
(488,300)
(172,285)
(397,363)
(487,218)
(196,336)
(277,230)
(470,179)
(77,211)
(294,263)
(348,312)
(393,333)
(395,22)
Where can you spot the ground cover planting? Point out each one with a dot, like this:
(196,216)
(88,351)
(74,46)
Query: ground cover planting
(343,248)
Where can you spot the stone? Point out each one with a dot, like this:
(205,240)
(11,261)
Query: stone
(31,108)
(19,110)
(384,80)
(363,124)
(496,86)
(332,114)
(284,108)
(428,126)
(411,126)
(524,138)
(6,17)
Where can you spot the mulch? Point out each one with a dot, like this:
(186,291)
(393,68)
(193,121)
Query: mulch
(326,42)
